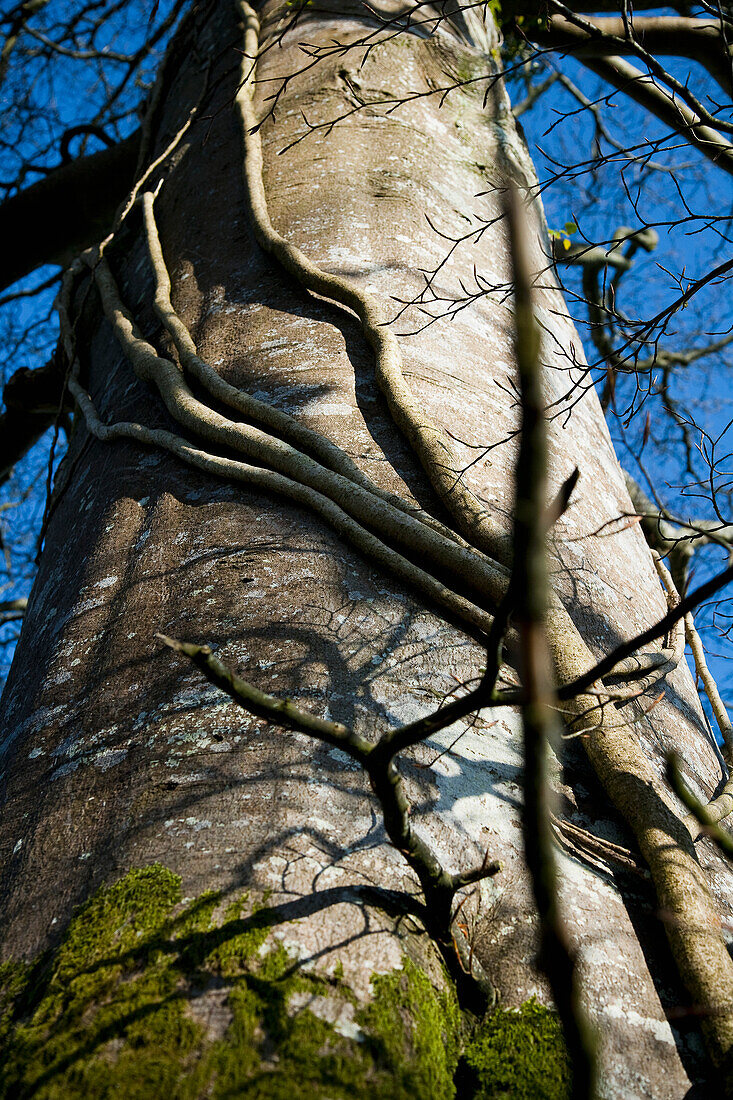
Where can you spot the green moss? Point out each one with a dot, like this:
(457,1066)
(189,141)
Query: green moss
(110,977)
(415,1030)
(517,1053)
(113,1011)
(13,982)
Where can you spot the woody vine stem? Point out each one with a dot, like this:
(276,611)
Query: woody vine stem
(463,572)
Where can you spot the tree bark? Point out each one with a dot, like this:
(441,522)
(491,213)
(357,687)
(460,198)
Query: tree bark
(118,755)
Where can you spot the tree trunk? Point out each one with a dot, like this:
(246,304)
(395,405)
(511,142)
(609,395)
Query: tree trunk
(291,956)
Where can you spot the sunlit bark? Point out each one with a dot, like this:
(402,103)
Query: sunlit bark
(119,755)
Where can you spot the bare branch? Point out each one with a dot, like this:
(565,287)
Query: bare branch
(529,587)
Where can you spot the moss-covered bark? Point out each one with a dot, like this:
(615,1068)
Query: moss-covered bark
(150,995)
(518,1053)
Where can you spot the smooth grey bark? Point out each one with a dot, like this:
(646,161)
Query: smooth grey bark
(116,754)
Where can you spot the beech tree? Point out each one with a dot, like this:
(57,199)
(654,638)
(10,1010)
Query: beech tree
(350,746)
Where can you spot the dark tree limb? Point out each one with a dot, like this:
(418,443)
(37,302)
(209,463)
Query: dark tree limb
(33,400)
(67,211)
